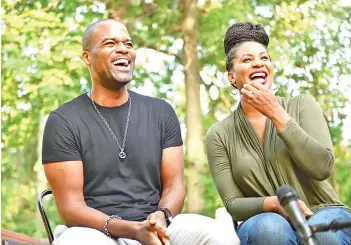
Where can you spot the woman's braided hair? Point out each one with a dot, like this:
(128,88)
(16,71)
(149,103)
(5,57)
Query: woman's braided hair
(239,33)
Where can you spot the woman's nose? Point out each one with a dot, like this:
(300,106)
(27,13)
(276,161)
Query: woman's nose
(257,62)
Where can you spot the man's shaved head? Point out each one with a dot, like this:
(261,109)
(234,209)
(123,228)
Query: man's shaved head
(87,33)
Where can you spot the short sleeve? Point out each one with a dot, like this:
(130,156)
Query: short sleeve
(172,134)
(59,143)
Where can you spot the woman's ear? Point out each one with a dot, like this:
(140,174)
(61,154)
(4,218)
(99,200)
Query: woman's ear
(231,78)
(86,57)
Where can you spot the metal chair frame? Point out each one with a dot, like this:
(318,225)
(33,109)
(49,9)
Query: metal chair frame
(44,216)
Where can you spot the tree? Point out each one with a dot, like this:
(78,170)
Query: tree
(194,135)
(181,59)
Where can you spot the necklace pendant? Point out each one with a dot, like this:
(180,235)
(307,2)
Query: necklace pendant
(122,154)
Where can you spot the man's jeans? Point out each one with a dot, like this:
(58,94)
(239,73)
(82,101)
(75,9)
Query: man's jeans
(273,229)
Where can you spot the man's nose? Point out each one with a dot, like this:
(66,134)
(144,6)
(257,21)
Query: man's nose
(121,48)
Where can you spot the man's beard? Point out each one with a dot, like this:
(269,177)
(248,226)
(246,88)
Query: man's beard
(115,81)
(124,79)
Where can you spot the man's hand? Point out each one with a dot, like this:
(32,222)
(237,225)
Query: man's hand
(149,233)
(158,219)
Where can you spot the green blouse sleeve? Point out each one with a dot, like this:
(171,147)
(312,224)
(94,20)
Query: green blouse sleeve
(309,142)
(237,205)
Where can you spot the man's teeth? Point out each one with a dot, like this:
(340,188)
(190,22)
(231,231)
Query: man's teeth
(121,62)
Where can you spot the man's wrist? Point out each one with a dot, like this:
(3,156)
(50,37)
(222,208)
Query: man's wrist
(167,214)
(160,214)
(136,226)
(125,228)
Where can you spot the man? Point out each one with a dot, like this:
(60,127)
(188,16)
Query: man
(114,158)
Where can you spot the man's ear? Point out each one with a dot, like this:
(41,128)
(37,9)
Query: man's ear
(86,57)
(231,78)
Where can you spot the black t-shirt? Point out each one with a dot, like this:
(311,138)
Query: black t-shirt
(130,188)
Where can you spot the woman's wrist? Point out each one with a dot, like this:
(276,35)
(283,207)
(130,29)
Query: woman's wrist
(270,204)
(280,118)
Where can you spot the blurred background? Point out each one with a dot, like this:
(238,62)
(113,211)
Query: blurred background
(180,58)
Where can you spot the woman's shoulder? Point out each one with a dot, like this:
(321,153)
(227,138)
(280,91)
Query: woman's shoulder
(297,99)
(221,127)
(296,102)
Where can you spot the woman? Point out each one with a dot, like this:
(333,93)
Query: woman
(268,142)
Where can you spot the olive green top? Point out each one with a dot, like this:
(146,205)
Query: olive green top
(245,169)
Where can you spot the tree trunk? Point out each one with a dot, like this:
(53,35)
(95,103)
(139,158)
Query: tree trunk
(195,152)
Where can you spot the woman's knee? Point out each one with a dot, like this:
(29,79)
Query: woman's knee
(267,228)
(326,216)
(271,223)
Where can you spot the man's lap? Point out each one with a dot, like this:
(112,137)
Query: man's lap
(186,229)
(197,229)
(88,236)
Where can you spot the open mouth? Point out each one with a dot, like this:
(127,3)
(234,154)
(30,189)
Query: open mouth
(259,76)
(122,63)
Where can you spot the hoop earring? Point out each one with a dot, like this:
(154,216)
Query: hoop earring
(235,88)
(277,86)
(234,93)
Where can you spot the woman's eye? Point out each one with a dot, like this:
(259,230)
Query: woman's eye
(265,58)
(247,60)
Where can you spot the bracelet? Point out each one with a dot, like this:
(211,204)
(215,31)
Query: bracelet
(106,224)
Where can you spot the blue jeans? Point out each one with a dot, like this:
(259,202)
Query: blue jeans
(274,229)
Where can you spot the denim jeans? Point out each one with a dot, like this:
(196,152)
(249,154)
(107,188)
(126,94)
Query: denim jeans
(273,229)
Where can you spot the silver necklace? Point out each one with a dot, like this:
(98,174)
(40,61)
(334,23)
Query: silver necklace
(121,154)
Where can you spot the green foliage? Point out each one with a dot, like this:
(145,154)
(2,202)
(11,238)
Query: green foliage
(42,69)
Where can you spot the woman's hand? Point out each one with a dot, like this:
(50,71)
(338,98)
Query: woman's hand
(272,204)
(263,100)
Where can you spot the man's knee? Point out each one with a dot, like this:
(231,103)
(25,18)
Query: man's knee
(82,235)
(201,230)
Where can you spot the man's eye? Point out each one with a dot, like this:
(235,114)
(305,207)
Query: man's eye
(129,45)
(109,43)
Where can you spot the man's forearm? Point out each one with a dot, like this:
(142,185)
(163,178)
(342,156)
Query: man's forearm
(85,216)
(173,199)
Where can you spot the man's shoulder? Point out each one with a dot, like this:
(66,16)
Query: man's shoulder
(149,101)
(71,107)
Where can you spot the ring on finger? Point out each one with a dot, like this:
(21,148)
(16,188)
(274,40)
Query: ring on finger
(251,94)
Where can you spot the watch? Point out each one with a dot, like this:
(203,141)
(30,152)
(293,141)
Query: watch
(168,215)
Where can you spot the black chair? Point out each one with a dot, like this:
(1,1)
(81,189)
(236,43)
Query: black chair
(44,216)
(235,225)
